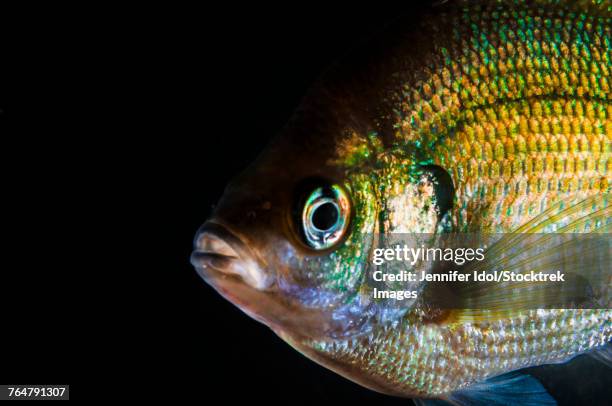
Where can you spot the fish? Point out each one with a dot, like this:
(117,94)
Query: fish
(486,117)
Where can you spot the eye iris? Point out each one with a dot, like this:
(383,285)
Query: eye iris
(325,217)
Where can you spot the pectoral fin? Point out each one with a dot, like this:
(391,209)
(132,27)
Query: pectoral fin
(569,238)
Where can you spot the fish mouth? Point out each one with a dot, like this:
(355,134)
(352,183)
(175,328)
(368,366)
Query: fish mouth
(228,265)
(218,249)
(225,263)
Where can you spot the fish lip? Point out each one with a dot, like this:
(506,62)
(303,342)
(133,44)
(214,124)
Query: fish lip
(223,232)
(202,259)
(216,246)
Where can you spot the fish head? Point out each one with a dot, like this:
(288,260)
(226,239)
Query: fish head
(288,241)
(291,240)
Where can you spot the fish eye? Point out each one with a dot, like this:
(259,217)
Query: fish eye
(325,216)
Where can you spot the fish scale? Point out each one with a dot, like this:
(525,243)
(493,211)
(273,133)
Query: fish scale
(414,357)
(516,98)
(516,107)
(521,173)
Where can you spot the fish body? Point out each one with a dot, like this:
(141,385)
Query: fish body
(479,117)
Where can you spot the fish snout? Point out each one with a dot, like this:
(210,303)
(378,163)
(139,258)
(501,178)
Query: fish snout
(217,250)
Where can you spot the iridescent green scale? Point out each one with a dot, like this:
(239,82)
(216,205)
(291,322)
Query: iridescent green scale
(515,103)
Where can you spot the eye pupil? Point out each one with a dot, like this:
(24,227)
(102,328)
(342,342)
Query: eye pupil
(325,216)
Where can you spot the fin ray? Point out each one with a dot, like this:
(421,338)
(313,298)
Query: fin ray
(566,238)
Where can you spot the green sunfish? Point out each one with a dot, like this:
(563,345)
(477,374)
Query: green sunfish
(472,117)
